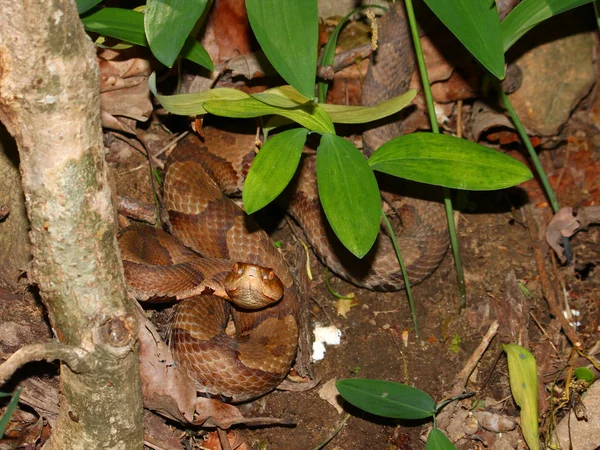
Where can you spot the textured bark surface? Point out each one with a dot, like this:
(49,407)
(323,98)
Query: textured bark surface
(15,252)
(49,102)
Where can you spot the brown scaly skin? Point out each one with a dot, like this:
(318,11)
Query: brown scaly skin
(258,356)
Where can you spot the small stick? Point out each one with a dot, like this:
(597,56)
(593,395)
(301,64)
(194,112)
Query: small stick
(343,60)
(76,358)
(223,439)
(547,288)
(136,209)
(465,373)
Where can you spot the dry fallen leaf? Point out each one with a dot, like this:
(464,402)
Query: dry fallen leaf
(344,305)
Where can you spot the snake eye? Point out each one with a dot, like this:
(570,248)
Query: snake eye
(240,271)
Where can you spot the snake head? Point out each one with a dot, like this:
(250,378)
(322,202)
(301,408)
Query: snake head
(253,287)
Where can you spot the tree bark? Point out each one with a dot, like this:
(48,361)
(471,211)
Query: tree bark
(49,102)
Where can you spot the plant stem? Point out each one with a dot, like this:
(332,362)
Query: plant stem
(534,157)
(532,153)
(334,434)
(460,276)
(404,274)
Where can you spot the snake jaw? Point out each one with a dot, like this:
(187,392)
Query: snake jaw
(253,287)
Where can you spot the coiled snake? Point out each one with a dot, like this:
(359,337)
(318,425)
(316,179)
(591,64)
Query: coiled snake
(212,234)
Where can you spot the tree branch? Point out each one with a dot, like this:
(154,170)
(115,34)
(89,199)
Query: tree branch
(76,358)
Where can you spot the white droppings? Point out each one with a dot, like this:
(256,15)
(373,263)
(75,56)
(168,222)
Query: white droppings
(329,335)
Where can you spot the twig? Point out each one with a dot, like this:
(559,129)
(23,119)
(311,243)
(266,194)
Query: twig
(76,358)
(545,283)
(223,439)
(465,373)
(136,209)
(343,60)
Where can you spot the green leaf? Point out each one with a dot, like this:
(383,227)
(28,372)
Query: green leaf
(387,398)
(123,24)
(584,374)
(192,104)
(529,13)
(476,24)
(522,374)
(364,114)
(195,52)
(448,161)
(168,23)
(438,441)
(86,5)
(273,168)
(128,26)
(10,409)
(309,115)
(349,194)
(287,31)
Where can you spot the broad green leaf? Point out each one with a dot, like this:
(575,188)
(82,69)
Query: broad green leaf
(349,194)
(277,100)
(118,23)
(192,104)
(529,13)
(309,115)
(476,24)
(195,52)
(364,114)
(274,122)
(289,92)
(387,398)
(584,374)
(128,26)
(86,5)
(522,374)
(438,441)
(273,168)
(168,23)
(448,161)
(8,412)
(287,31)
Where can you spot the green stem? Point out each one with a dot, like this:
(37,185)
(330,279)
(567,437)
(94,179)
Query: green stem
(532,153)
(460,276)
(404,274)
(334,434)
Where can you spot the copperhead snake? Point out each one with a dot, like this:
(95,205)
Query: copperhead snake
(210,234)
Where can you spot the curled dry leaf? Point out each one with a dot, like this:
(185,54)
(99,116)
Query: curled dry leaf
(566,222)
(124,89)
(166,389)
